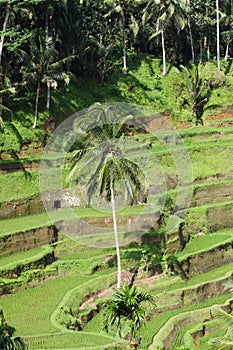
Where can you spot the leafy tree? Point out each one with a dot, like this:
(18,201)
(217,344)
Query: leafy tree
(7,342)
(107,133)
(12,36)
(127,305)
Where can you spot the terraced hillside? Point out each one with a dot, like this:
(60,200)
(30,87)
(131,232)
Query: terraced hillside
(52,287)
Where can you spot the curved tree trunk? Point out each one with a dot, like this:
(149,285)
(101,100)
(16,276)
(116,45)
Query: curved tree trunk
(116,238)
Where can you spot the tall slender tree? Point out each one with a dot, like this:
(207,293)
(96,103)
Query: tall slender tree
(165,10)
(101,124)
(2,38)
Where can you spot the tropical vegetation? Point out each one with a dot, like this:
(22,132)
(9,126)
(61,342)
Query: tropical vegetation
(60,57)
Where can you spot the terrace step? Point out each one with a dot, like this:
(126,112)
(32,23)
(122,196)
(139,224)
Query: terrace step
(206,252)
(165,335)
(15,264)
(26,235)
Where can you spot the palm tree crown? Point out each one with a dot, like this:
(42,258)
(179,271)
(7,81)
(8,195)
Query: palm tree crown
(127,304)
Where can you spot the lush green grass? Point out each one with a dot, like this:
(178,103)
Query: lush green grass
(73,341)
(24,223)
(16,185)
(33,307)
(203,243)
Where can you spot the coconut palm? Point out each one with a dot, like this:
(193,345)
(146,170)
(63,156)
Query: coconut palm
(127,305)
(105,134)
(228,17)
(6,340)
(42,66)
(166,10)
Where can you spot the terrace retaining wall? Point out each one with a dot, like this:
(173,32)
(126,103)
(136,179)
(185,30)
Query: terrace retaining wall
(41,262)
(207,260)
(21,241)
(21,207)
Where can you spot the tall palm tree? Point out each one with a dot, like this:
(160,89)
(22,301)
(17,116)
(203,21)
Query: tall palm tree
(128,304)
(166,10)
(106,132)
(43,66)
(228,15)
(6,340)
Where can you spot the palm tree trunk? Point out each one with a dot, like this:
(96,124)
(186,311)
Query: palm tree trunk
(48,95)
(191,41)
(164,53)
(4,29)
(218,34)
(124,41)
(227,47)
(36,104)
(116,238)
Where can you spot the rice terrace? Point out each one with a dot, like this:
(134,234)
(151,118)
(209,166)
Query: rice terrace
(116,175)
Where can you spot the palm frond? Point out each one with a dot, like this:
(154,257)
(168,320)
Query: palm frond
(220,344)
(222,315)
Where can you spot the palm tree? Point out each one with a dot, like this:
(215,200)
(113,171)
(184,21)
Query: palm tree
(43,67)
(228,15)
(226,342)
(106,132)
(127,305)
(6,340)
(197,90)
(167,10)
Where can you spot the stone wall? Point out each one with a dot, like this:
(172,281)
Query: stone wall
(213,194)
(21,207)
(219,218)
(22,241)
(205,261)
